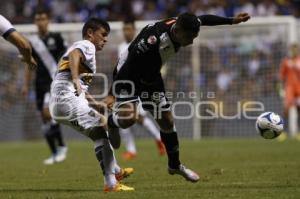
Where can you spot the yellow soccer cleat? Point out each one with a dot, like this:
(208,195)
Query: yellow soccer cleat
(282,137)
(124,173)
(117,188)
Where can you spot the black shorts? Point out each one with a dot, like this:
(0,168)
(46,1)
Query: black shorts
(41,92)
(151,95)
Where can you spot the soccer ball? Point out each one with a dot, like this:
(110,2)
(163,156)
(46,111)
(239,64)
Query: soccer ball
(269,125)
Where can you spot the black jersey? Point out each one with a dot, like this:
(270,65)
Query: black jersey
(56,47)
(152,47)
(147,53)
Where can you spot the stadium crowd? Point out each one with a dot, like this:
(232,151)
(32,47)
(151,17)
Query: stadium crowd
(21,11)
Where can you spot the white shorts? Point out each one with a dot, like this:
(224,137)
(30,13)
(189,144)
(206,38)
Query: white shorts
(67,108)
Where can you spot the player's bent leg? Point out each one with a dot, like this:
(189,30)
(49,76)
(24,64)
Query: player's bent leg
(49,136)
(105,155)
(76,112)
(170,140)
(54,134)
(124,116)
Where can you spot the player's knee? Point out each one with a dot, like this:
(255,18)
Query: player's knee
(167,125)
(127,115)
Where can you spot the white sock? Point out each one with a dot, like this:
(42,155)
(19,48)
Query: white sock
(117,168)
(150,126)
(128,140)
(106,158)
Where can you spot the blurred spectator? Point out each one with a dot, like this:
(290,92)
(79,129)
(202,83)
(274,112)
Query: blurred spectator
(267,8)
(245,6)
(216,7)
(151,11)
(20,11)
(224,80)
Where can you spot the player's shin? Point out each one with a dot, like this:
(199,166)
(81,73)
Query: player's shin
(105,156)
(57,133)
(170,140)
(48,133)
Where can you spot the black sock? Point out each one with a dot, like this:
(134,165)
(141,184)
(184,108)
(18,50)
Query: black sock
(57,134)
(171,143)
(50,140)
(99,156)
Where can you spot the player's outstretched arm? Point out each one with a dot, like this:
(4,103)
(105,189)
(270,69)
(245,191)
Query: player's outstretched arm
(214,20)
(24,48)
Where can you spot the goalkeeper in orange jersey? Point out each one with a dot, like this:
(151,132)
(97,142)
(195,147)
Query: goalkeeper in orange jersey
(290,76)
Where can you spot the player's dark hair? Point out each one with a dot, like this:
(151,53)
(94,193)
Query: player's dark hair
(94,24)
(129,21)
(189,22)
(40,11)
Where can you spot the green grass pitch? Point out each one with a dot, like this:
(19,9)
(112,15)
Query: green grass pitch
(230,168)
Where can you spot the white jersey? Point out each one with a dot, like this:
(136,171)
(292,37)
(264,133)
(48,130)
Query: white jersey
(5,27)
(122,54)
(88,50)
(122,48)
(65,106)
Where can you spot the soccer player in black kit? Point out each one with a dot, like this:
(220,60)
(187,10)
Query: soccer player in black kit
(48,47)
(138,80)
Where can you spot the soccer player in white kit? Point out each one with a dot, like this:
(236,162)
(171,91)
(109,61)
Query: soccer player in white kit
(9,33)
(143,120)
(69,103)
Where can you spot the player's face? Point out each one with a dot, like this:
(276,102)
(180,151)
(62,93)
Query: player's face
(42,22)
(128,32)
(99,38)
(185,38)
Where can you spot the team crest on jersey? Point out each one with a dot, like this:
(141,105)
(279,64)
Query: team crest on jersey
(152,39)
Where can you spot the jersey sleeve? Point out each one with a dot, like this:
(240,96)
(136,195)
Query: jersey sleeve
(5,27)
(86,48)
(214,20)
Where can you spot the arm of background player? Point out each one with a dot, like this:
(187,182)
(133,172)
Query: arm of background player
(74,57)
(27,80)
(214,20)
(23,46)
